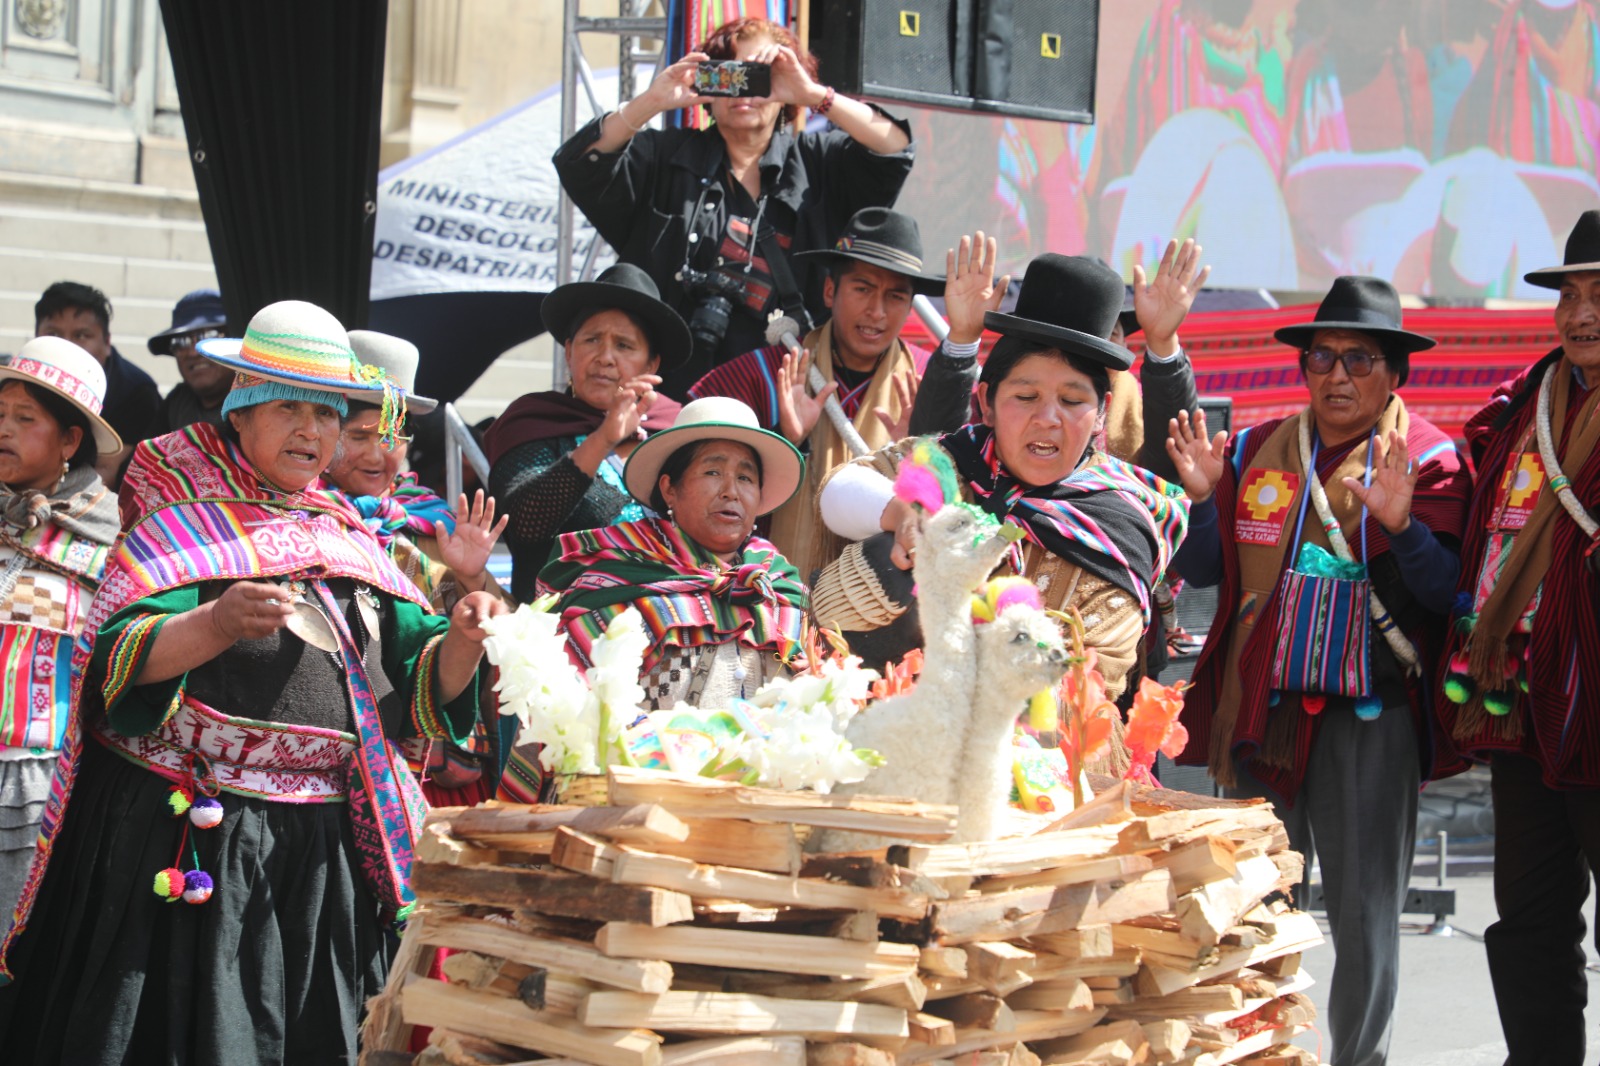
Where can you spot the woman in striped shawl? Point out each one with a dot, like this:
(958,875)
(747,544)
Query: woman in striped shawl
(1332,536)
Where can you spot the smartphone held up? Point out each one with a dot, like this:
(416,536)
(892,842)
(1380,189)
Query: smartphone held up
(732,77)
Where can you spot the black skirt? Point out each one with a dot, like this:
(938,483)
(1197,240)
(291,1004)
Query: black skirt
(275,968)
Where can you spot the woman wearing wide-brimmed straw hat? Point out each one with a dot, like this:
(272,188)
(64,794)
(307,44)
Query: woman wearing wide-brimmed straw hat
(723,607)
(556,457)
(57,525)
(256,654)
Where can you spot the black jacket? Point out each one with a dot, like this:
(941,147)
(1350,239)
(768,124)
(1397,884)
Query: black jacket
(641,198)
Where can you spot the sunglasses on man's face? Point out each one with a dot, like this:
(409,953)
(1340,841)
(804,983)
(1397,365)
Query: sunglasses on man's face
(189,340)
(1357,363)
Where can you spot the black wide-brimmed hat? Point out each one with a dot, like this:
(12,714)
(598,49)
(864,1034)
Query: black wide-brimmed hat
(198,310)
(1070,302)
(1583,253)
(623,287)
(1362,305)
(883,238)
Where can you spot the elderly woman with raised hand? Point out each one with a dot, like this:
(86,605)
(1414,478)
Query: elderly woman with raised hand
(556,458)
(1099,531)
(722,605)
(444,555)
(255,653)
(734,202)
(57,525)
(1333,535)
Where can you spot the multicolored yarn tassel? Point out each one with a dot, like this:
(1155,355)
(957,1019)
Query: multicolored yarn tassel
(205,812)
(392,411)
(927,477)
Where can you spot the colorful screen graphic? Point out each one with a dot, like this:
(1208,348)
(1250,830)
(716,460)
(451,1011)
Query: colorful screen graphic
(1445,144)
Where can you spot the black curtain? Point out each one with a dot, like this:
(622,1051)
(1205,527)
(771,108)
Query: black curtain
(280,103)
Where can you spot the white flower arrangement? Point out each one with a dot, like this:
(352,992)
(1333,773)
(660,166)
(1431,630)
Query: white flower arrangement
(790,735)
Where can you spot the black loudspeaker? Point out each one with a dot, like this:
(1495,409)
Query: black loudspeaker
(919,51)
(1036,58)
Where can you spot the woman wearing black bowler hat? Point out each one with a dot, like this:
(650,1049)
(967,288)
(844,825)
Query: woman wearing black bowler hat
(1099,530)
(1333,537)
(556,457)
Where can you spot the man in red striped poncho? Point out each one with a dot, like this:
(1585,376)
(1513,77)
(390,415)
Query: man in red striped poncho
(1521,686)
(1313,685)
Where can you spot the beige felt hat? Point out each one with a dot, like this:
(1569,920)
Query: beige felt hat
(719,418)
(71,373)
(397,358)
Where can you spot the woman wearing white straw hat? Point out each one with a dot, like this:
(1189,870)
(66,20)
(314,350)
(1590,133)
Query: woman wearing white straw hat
(57,524)
(231,826)
(722,605)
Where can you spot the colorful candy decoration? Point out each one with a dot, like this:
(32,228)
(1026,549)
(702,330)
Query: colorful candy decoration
(206,812)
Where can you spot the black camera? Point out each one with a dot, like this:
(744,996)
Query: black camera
(714,294)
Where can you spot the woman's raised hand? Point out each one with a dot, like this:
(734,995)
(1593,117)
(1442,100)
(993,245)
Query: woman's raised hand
(1394,480)
(790,82)
(627,411)
(970,287)
(250,610)
(1200,461)
(673,88)
(466,551)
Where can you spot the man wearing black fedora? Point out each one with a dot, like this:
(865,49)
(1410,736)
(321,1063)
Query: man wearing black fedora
(1350,510)
(1521,683)
(873,272)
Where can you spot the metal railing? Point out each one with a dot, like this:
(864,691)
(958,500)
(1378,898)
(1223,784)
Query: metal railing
(459,443)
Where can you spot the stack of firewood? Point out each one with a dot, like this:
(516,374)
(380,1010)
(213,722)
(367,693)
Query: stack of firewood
(684,924)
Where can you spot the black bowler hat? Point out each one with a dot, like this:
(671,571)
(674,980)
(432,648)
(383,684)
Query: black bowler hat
(201,309)
(883,238)
(1362,305)
(623,287)
(1129,316)
(1583,253)
(1070,302)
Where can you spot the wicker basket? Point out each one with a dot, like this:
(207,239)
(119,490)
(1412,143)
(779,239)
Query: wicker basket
(580,790)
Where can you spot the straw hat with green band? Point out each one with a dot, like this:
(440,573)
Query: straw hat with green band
(719,418)
(293,350)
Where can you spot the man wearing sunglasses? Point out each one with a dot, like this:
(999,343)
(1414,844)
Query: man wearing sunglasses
(1333,536)
(197,317)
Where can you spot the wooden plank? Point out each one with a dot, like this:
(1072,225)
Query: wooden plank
(1168,1038)
(1199,863)
(437,844)
(532,828)
(1109,805)
(1200,1001)
(977,1010)
(846,1054)
(1105,868)
(906,819)
(1115,1042)
(1015,856)
(758,951)
(434,1003)
(931,1029)
(732,842)
(733,1012)
(1084,942)
(737,1051)
(1155,829)
(630,867)
(1207,913)
(579,960)
(1031,911)
(993,964)
(1295,934)
(944,962)
(1059,993)
(385,1029)
(1031,1026)
(555,892)
(903,991)
(1119,964)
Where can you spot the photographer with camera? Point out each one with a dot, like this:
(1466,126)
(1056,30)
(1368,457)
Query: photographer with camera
(717,216)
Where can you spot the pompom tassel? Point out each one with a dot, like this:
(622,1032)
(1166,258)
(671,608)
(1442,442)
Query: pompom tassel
(196,886)
(1458,684)
(1500,702)
(1274,698)
(1461,607)
(1313,704)
(178,800)
(169,884)
(206,813)
(1368,708)
(1466,623)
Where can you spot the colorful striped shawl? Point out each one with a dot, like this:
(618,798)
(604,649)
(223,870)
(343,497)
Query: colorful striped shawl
(194,511)
(1115,520)
(687,597)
